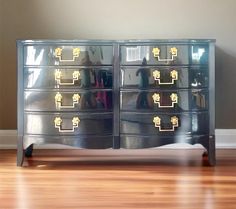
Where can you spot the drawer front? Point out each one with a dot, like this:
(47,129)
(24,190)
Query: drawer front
(49,78)
(162,101)
(163,77)
(164,124)
(140,142)
(68,101)
(85,55)
(68,124)
(87,142)
(164,54)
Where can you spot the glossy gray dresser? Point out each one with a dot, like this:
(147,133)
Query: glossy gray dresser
(128,94)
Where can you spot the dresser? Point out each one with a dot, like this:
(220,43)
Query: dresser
(129,94)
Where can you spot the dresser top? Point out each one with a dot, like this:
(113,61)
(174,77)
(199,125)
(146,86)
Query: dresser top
(128,41)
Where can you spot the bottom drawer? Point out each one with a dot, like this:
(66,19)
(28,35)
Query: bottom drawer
(164,124)
(68,124)
(88,142)
(140,142)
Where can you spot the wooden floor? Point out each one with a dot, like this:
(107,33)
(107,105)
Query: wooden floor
(160,179)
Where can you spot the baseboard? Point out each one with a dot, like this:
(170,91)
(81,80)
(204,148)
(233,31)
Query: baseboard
(8,139)
(225,138)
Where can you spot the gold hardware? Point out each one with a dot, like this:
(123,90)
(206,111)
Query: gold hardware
(58,101)
(156,99)
(75,76)
(174,121)
(157,77)
(174,51)
(75,53)
(58,123)
(156,53)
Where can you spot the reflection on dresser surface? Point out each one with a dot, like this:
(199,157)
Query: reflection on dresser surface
(128,94)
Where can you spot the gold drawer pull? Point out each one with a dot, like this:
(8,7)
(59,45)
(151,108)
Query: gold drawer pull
(58,77)
(59,99)
(157,77)
(156,54)
(75,53)
(174,121)
(157,100)
(58,124)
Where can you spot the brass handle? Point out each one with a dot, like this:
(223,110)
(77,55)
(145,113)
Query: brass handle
(157,77)
(157,98)
(156,53)
(58,124)
(58,77)
(75,53)
(174,121)
(59,99)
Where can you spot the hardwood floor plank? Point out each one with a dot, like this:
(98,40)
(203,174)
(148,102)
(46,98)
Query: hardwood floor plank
(157,179)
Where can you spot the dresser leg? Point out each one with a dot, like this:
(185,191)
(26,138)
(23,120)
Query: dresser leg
(212,151)
(205,154)
(116,142)
(20,151)
(29,151)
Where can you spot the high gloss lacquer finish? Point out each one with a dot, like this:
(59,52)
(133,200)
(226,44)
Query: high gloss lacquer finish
(69,77)
(164,54)
(164,100)
(145,124)
(167,94)
(68,54)
(154,77)
(115,94)
(76,100)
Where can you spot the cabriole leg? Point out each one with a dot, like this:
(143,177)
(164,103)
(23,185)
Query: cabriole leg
(20,151)
(29,151)
(211,151)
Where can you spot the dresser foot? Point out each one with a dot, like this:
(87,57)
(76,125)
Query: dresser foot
(20,151)
(205,154)
(212,152)
(209,154)
(29,151)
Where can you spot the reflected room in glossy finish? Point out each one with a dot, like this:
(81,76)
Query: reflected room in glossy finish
(128,94)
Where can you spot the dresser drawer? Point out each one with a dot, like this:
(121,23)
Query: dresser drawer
(51,77)
(163,77)
(100,100)
(140,141)
(164,100)
(84,55)
(164,124)
(164,54)
(87,142)
(68,124)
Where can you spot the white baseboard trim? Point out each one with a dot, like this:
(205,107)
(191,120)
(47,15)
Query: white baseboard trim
(8,139)
(225,138)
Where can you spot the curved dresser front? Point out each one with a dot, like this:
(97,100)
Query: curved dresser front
(115,94)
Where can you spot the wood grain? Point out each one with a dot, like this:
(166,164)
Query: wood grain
(136,179)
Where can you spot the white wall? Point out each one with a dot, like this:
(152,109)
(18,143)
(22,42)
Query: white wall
(121,19)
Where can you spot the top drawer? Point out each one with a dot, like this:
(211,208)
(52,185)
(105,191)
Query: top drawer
(164,54)
(83,55)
